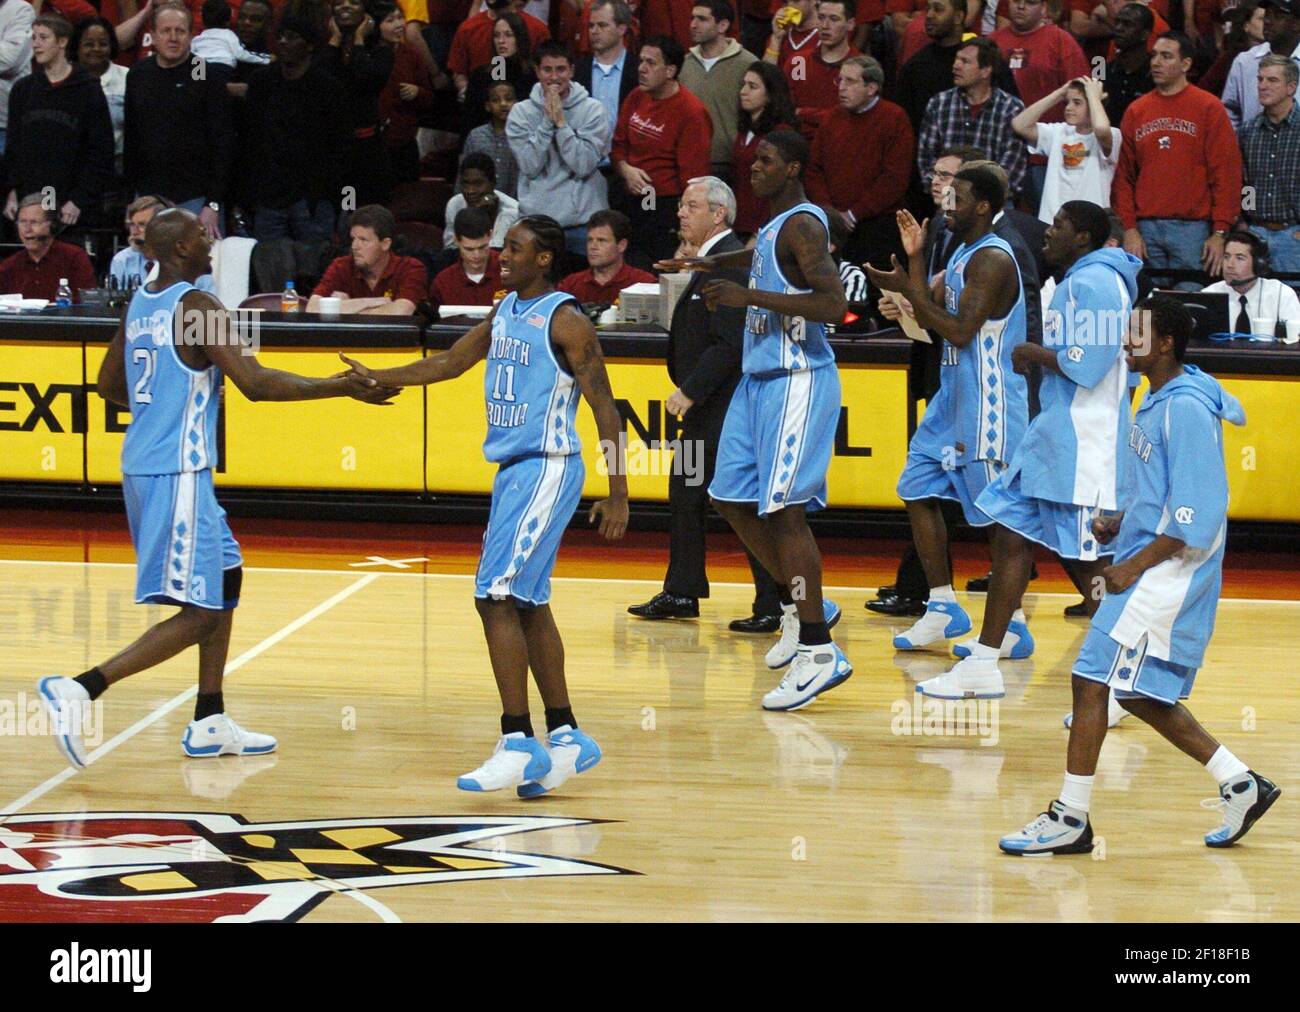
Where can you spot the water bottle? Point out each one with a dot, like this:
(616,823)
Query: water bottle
(64,297)
(289,299)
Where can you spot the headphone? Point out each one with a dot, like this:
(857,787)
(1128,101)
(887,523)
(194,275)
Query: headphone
(1261,265)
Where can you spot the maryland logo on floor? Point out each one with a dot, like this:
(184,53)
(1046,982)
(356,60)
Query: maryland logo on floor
(193,866)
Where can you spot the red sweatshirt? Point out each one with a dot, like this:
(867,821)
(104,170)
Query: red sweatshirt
(668,139)
(814,86)
(874,180)
(1179,160)
(403,118)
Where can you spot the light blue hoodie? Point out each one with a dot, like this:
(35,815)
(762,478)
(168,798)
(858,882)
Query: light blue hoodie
(1176,484)
(559,168)
(1071,451)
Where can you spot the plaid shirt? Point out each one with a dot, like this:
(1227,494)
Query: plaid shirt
(948,122)
(1271,156)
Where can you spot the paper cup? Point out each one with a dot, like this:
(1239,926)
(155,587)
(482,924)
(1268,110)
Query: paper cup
(1292,331)
(330,307)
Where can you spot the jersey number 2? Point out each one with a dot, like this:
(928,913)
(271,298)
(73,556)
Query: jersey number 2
(509,371)
(149,358)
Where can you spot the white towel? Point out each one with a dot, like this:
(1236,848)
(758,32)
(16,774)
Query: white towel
(230,264)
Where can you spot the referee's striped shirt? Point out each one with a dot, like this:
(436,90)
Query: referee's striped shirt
(854,282)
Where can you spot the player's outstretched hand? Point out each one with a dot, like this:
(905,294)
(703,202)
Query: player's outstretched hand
(724,293)
(612,513)
(362,385)
(1104,528)
(895,280)
(684,264)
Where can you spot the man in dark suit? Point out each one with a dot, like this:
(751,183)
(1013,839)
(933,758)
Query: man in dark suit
(609,71)
(704,355)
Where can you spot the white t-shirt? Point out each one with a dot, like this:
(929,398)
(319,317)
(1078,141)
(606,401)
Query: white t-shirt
(1076,168)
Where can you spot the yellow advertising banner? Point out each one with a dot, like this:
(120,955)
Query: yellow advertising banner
(330,444)
(42,411)
(870,442)
(1261,455)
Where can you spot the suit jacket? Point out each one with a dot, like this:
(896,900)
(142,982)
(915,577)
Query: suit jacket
(582,72)
(704,348)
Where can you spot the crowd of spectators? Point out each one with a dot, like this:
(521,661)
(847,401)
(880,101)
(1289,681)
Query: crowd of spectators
(300,120)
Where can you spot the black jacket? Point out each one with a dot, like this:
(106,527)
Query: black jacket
(297,135)
(583,70)
(704,348)
(179,135)
(60,136)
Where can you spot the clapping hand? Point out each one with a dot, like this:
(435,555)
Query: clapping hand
(912,234)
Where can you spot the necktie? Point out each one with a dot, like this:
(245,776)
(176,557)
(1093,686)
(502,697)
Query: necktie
(1243,317)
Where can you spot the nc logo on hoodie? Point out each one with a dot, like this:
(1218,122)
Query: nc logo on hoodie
(1184,515)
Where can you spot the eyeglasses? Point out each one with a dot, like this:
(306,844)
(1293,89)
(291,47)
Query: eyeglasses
(943,177)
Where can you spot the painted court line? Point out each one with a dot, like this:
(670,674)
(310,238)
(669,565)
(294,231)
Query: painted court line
(838,588)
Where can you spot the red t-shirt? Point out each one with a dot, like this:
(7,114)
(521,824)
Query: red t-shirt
(584,287)
(403,278)
(1184,139)
(669,139)
(1041,61)
(453,287)
(471,47)
(20,273)
(814,86)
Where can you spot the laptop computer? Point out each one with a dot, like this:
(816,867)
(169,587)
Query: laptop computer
(1209,309)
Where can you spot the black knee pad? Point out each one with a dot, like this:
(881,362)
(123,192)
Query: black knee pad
(231,583)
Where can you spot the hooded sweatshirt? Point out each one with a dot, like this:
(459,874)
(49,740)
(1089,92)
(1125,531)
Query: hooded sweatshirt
(60,135)
(559,171)
(717,87)
(1071,453)
(1175,484)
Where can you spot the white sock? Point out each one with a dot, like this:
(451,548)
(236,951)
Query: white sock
(943,593)
(1019,616)
(790,609)
(1076,792)
(980,652)
(1225,766)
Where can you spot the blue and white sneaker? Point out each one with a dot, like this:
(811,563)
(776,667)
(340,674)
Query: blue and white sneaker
(970,678)
(219,735)
(815,670)
(572,752)
(783,653)
(516,760)
(943,620)
(1243,800)
(67,703)
(1059,830)
(1115,712)
(1017,644)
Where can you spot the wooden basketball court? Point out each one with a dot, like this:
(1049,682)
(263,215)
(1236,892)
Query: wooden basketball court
(375,680)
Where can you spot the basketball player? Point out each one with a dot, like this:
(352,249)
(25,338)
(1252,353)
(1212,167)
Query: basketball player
(542,353)
(1149,635)
(975,422)
(779,431)
(1067,468)
(185,553)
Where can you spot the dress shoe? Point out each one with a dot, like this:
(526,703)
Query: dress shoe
(895,605)
(883,592)
(980,585)
(666,605)
(1079,610)
(756,624)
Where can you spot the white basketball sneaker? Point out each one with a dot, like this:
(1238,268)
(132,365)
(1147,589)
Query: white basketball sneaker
(1059,830)
(1243,800)
(516,760)
(814,671)
(1114,712)
(67,703)
(970,678)
(219,735)
(783,653)
(571,752)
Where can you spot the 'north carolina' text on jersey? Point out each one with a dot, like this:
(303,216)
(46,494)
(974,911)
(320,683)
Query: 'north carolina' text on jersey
(173,426)
(981,409)
(531,401)
(775,343)
(1178,486)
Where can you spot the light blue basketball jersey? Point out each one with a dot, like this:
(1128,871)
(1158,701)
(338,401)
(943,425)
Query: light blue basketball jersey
(1177,485)
(775,343)
(531,401)
(1072,450)
(988,399)
(173,426)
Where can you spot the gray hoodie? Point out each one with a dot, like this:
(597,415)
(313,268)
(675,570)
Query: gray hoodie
(558,168)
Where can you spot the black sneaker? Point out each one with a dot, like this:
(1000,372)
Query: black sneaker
(666,605)
(1079,610)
